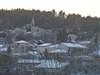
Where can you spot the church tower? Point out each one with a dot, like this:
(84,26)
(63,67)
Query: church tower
(33,22)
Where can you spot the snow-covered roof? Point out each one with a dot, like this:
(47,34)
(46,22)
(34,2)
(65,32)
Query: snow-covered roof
(28,61)
(1,45)
(85,42)
(31,52)
(3,49)
(19,54)
(51,64)
(53,46)
(45,44)
(21,41)
(74,45)
(58,51)
(84,57)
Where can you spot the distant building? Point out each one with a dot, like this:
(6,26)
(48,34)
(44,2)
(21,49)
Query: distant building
(3,49)
(72,37)
(50,67)
(72,48)
(43,47)
(21,47)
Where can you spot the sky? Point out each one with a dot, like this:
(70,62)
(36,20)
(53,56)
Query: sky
(82,7)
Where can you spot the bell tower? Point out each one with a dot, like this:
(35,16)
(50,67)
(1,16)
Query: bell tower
(33,22)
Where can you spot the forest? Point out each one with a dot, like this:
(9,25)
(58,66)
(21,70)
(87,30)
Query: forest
(10,19)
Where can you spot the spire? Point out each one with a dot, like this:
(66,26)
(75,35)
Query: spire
(33,22)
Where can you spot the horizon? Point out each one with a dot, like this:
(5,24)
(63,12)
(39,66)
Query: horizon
(81,7)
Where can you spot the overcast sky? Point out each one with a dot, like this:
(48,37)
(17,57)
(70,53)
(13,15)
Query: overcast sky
(83,7)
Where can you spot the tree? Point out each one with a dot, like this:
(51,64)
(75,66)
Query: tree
(54,12)
(62,13)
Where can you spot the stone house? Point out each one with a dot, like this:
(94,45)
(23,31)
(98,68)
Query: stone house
(57,54)
(21,47)
(42,47)
(27,63)
(37,31)
(72,48)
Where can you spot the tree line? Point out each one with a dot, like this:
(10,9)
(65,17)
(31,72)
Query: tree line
(10,19)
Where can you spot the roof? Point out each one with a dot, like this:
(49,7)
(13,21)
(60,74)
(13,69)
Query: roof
(21,41)
(1,45)
(19,54)
(53,46)
(51,64)
(45,44)
(85,42)
(3,49)
(74,45)
(28,61)
(58,51)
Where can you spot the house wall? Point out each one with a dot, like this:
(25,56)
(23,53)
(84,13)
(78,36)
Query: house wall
(62,46)
(57,56)
(48,71)
(37,29)
(41,49)
(51,48)
(20,48)
(77,51)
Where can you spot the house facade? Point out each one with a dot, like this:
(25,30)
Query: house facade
(21,47)
(72,48)
(50,67)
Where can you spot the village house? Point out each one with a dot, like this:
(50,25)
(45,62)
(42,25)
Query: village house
(3,40)
(27,64)
(37,31)
(52,47)
(50,67)
(73,48)
(57,54)
(42,47)
(3,49)
(18,30)
(21,47)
